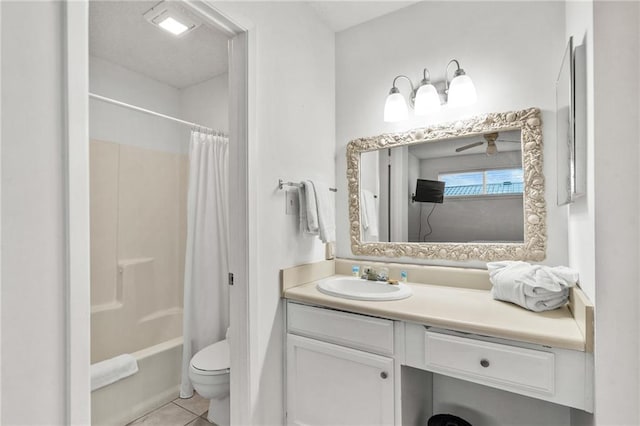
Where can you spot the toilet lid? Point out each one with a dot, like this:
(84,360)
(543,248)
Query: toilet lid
(213,357)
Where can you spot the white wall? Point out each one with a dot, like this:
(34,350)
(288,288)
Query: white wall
(207,103)
(617,227)
(33,246)
(512,58)
(293,137)
(603,226)
(497,218)
(114,123)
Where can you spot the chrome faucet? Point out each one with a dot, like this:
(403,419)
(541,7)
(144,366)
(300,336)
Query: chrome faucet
(371,274)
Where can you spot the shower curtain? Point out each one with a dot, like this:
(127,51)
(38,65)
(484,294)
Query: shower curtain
(206,301)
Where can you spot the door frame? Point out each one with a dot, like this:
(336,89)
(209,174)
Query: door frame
(243,333)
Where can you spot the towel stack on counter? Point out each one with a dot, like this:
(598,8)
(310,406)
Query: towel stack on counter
(534,287)
(317,214)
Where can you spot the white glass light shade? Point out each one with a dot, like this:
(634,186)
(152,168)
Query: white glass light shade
(427,100)
(395,108)
(462,92)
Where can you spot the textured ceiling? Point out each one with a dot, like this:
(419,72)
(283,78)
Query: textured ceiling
(119,33)
(340,15)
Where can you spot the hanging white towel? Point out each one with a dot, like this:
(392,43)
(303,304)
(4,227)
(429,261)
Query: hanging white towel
(302,200)
(317,214)
(369,215)
(109,371)
(308,208)
(535,287)
(325,212)
(364,220)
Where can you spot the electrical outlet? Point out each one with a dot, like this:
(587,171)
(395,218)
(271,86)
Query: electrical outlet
(293,202)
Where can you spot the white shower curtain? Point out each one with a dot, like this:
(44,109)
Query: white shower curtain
(206,301)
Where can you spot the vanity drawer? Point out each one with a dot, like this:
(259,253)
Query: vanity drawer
(504,366)
(352,330)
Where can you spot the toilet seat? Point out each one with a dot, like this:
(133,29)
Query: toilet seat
(213,359)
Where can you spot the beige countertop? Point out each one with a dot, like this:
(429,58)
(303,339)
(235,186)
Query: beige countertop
(462,309)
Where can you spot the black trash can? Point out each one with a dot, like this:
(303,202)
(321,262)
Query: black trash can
(447,420)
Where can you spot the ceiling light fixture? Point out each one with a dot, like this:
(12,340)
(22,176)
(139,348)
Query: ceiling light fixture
(171,18)
(173,26)
(425,99)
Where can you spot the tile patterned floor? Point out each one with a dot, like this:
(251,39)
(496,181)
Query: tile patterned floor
(179,412)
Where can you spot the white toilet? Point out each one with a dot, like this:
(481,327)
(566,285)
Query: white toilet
(209,374)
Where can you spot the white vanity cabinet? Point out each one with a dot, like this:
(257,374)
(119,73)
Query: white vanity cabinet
(556,375)
(339,368)
(346,368)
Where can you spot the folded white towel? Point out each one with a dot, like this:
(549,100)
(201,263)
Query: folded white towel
(325,212)
(369,215)
(105,372)
(535,287)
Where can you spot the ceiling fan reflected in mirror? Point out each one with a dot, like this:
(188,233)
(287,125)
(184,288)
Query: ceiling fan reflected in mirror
(491,139)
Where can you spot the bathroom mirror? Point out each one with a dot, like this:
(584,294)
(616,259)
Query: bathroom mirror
(471,189)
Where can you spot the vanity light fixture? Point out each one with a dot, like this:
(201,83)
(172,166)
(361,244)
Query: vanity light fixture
(171,18)
(395,107)
(425,98)
(461,91)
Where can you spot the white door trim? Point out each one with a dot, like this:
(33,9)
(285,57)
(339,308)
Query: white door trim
(77,313)
(0,209)
(242,295)
(243,333)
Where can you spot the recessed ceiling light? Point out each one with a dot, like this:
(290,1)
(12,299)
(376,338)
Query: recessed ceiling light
(171,18)
(173,26)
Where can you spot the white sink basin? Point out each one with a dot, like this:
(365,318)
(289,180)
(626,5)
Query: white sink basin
(359,289)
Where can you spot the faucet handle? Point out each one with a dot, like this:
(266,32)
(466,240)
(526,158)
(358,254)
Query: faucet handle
(383,274)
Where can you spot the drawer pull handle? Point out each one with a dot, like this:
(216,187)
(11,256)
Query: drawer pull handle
(484,363)
(384,375)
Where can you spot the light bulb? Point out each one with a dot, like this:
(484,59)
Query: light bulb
(427,100)
(492,149)
(395,108)
(462,92)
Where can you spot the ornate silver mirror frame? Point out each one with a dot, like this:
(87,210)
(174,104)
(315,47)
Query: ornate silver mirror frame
(535,234)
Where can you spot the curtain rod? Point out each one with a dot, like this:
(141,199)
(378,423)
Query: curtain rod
(157,114)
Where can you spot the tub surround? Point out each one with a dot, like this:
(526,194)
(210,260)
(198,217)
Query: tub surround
(466,307)
(137,247)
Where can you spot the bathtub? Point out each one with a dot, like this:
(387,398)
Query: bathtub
(156,383)
(147,324)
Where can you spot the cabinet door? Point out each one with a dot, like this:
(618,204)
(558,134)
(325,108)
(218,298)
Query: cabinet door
(332,385)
